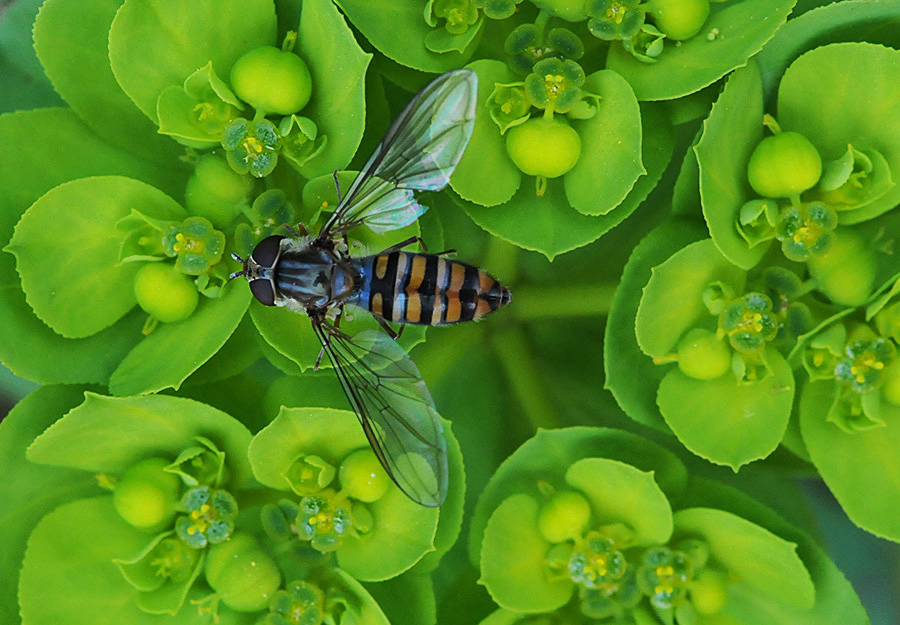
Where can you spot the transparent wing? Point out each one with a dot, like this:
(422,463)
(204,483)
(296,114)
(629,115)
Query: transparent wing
(394,408)
(418,153)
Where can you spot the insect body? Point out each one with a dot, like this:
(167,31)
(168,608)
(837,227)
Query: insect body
(315,275)
(402,287)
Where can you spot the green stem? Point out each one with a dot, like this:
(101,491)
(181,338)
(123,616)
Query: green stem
(770,123)
(518,364)
(555,302)
(541,23)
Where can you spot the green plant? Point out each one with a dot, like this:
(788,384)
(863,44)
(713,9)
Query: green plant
(693,203)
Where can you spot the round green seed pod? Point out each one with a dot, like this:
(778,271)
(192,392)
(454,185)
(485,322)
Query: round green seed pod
(679,19)
(165,293)
(784,165)
(215,191)
(272,80)
(362,476)
(569,10)
(145,495)
(890,390)
(564,517)
(708,593)
(543,147)
(243,575)
(702,355)
(846,271)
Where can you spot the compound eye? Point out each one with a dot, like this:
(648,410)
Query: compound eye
(263,290)
(266,251)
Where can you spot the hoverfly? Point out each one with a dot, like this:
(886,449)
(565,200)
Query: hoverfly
(317,276)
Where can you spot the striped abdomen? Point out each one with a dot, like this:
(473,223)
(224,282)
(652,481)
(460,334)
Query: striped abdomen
(426,289)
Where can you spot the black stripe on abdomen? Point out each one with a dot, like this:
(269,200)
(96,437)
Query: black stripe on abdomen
(382,285)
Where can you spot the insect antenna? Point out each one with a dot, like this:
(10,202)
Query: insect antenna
(242,271)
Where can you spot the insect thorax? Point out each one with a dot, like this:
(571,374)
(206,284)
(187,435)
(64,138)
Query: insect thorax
(311,277)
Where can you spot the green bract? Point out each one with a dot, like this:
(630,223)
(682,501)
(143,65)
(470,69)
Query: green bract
(691,562)
(331,519)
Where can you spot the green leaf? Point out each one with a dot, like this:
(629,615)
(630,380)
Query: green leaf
(485,158)
(338,68)
(320,389)
(672,302)
(630,375)
(451,518)
(159,595)
(25,340)
(730,134)
(170,50)
(835,601)
(620,493)
(26,174)
(725,421)
(29,491)
(109,434)
(177,109)
(738,30)
(875,21)
(440,41)
(24,82)
(325,432)
(67,248)
(513,560)
(549,225)
(833,107)
(612,140)
(545,457)
(173,351)
(239,352)
(843,191)
(407,599)
(68,574)
(380,20)
(403,531)
(757,557)
(686,194)
(72,40)
(362,608)
(861,468)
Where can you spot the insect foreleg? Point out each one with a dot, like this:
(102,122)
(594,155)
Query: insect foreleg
(301,230)
(318,319)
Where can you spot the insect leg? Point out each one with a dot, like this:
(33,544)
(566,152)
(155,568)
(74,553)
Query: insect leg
(390,331)
(337,185)
(318,319)
(406,243)
(300,231)
(399,246)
